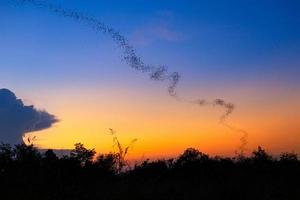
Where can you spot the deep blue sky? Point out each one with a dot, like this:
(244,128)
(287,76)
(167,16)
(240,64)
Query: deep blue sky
(229,40)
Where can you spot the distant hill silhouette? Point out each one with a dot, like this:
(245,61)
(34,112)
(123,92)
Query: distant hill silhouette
(27,173)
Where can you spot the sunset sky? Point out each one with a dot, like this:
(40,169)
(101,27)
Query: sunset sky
(246,52)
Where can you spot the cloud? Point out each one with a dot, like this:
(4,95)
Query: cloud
(155,32)
(17,118)
(159,28)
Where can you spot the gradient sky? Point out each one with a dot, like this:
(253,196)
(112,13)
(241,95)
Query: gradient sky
(247,52)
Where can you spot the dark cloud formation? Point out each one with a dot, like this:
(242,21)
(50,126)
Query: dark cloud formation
(17,118)
(156,73)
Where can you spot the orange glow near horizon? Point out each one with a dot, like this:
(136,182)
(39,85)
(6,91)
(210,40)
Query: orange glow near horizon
(165,127)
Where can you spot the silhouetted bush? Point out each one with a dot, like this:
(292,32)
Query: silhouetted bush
(26,173)
(107,162)
(83,155)
(6,155)
(261,156)
(288,157)
(191,156)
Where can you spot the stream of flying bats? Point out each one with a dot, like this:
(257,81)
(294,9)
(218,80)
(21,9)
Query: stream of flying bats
(156,73)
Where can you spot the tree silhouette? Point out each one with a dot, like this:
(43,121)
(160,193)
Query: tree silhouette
(191,156)
(26,154)
(83,155)
(261,156)
(50,155)
(108,162)
(288,157)
(6,156)
(27,173)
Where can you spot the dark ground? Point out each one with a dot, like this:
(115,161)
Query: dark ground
(25,173)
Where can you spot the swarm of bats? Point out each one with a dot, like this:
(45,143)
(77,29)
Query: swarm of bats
(156,73)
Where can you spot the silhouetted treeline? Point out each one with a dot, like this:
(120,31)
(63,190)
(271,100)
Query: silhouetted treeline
(26,173)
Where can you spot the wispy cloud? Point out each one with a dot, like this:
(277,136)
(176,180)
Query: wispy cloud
(155,32)
(158,29)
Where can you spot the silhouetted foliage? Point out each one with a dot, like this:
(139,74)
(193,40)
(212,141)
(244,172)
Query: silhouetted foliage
(108,162)
(288,157)
(191,156)
(261,156)
(120,156)
(6,154)
(83,155)
(27,173)
(50,155)
(26,154)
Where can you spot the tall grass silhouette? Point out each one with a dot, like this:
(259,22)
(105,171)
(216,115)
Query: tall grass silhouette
(122,150)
